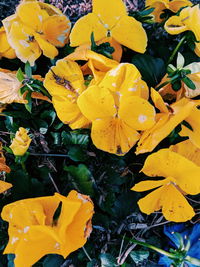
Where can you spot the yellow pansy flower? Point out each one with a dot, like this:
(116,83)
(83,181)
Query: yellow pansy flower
(188,20)
(34,231)
(109,18)
(118,109)
(160,5)
(166,120)
(181,177)
(21,142)
(5,49)
(65,82)
(47,29)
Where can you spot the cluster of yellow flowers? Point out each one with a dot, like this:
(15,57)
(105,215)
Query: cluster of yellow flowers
(116,104)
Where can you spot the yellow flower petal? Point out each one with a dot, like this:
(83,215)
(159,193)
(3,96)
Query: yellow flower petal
(56,30)
(65,79)
(69,113)
(187,149)
(164,126)
(135,37)
(151,202)
(147,185)
(158,101)
(174,25)
(113,135)
(194,122)
(21,39)
(32,10)
(174,205)
(158,6)
(81,32)
(175,5)
(21,142)
(138,113)
(166,163)
(47,48)
(33,233)
(109,12)
(4,186)
(97,103)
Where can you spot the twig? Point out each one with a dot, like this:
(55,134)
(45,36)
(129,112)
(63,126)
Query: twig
(54,184)
(48,155)
(88,256)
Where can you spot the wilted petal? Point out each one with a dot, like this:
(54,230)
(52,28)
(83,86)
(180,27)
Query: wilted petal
(56,30)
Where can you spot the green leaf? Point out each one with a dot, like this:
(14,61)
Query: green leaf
(81,178)
(28,70)
(107,260)
(53,261)
(20,75)
(73,138)
(176,85)
(139,256)
(146,12)
(152,69)
(76,153)
(56,138)
(189,83)
(49,115)
(28,106)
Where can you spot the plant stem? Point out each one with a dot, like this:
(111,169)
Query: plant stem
(88,256)
(54,184)
(167,82)
(161,251)
(176,49)
(48,155)
(193,260)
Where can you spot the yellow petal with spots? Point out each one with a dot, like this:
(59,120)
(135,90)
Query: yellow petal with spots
(167,163)
(97,103)
(21,39)
(165,125)
(56,30)
(135,37)
(65,79)
(137,112)
(175,207)
(109,12)
(152,201)
(113,135)
(83,28)
(69,113)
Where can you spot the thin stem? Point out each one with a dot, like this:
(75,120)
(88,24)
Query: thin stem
(192,260)
(48,155)
(161,251)
(88,256)
(176,49)
(167,82)
(54,184)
